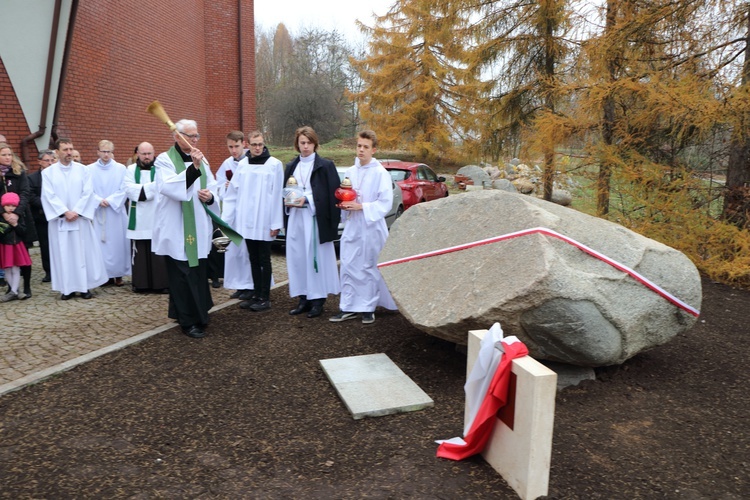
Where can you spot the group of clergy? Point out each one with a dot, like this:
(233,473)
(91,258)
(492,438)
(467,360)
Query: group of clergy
(155,221)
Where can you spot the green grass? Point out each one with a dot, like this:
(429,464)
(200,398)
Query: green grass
(341,152)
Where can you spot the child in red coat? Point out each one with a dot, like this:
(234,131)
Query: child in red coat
(13,253)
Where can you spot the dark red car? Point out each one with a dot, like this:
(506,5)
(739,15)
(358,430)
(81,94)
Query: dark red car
(417,181)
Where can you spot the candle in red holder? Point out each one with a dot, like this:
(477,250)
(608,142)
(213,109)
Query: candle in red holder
(345,192)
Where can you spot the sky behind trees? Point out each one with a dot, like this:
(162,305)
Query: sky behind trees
(325,14)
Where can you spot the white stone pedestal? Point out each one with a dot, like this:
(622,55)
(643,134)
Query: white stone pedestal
(520,447)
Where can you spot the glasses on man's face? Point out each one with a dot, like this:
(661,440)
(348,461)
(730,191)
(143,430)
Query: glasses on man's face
(193,137)
(256,144)
(106,152)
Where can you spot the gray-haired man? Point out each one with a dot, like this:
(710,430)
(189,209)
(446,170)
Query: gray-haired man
(45,158)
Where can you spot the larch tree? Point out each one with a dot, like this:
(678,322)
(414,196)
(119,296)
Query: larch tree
(645,91)
(737,190)
(527,40)
(416,91)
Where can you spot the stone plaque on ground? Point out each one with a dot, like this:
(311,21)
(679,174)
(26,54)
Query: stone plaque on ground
(372,386)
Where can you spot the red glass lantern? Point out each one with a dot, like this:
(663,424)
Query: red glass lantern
(345,192)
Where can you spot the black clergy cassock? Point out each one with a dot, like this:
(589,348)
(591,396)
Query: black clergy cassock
(189,292)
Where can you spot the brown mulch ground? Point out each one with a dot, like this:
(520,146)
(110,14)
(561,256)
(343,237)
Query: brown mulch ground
(248,413)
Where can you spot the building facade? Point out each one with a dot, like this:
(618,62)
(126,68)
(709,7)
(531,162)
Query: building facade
(117,56)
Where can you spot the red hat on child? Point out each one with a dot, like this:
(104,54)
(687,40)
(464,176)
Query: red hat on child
(10,199)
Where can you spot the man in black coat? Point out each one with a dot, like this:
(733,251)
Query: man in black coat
(311,226)
(46,158)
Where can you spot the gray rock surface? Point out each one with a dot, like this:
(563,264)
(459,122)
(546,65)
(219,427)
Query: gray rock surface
(566,305)
(477,174)
(504,185)
(562,197)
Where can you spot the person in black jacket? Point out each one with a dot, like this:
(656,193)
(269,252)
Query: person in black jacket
(311,223)
(46,158)
(14,180)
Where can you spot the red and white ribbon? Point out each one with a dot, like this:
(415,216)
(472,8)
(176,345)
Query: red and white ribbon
(549,232)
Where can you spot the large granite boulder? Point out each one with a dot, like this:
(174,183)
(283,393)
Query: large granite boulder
(565,304)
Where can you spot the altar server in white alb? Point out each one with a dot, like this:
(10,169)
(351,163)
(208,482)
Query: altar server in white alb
(69,205)
(183,229)
(253,207)
(237,273)
(149,269)
(312,226)
(111,218)
(365,232)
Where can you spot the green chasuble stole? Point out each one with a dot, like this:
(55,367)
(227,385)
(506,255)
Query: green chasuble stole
(133,203)
(188,214)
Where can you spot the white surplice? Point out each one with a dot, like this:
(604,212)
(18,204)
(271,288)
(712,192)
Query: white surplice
(237,272)
(111,222)
(75,255)
(145,211)
(253,202)
(168,237)
(365,232)
(303,249)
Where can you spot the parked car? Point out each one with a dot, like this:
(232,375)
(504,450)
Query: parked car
(418,182)
(396,210)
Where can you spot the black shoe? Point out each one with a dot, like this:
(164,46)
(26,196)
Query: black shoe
(302,307)
(236,295)
(215,283)
(195,332)
(315,311)
(342,316)
(260,305)
(87,295)
(46,278)
(247,294)
(67,296)
(26,294)
(248,304)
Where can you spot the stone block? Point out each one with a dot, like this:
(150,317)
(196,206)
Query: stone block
(520,451)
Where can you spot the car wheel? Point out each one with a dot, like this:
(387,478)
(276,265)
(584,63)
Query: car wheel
(399,212)
(446,194)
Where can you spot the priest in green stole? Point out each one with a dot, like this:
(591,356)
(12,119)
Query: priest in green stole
(149,269)
(183,230)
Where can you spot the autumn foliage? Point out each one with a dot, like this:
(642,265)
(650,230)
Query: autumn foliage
(647,100)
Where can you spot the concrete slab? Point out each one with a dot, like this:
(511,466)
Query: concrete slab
(372,386)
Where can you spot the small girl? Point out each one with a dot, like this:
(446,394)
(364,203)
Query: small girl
(13,253)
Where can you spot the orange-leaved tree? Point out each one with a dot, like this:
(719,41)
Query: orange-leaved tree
(417,94)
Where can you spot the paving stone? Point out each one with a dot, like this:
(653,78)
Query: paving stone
(45,331)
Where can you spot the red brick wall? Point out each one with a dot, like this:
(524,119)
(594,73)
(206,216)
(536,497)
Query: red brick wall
(127,53)
(12,122)
(248,69)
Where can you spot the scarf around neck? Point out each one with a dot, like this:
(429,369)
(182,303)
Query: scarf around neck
(260,159)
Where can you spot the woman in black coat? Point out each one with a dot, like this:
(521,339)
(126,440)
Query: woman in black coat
(14,180)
